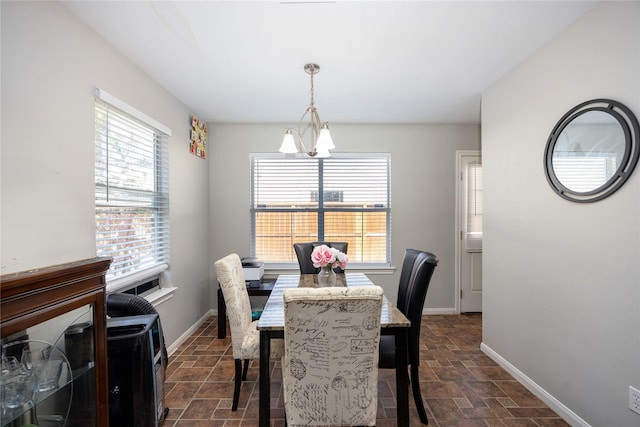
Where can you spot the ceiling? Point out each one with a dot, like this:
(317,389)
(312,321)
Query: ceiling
(381,61)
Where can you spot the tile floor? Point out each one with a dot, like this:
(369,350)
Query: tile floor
(461,386)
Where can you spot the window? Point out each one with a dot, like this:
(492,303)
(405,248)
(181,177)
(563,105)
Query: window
(340,198)
(131,192)
(473,240)
(582,173)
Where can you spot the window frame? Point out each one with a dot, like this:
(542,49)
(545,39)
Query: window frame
(322,209)
(110,111)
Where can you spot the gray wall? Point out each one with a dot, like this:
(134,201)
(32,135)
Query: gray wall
(51,64)
(422,183)
(561,279)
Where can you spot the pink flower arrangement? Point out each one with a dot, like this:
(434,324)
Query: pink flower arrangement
(323,256)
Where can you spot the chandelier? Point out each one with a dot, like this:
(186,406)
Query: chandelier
(320,140)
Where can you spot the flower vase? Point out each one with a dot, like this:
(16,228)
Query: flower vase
(326,276)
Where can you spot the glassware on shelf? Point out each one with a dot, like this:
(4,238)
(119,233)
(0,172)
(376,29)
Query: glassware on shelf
(36,389)
(16,390)
(44,365)
(17,384)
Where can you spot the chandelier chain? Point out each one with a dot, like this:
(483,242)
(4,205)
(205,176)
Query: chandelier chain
(312,102)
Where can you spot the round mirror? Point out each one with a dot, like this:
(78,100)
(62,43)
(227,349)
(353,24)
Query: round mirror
(592,150)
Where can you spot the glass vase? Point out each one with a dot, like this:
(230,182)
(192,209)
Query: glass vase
(326,277)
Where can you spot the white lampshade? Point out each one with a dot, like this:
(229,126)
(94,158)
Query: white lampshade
(288,143)
(323,154)
(325,142)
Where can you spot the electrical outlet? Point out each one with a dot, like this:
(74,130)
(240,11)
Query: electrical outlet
(634,399)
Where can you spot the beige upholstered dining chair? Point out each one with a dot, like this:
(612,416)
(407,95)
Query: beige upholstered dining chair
(245,338)
(330,364)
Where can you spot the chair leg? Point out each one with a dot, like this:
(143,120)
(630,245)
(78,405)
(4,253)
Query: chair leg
(417,395)
(246,368)
(236,385)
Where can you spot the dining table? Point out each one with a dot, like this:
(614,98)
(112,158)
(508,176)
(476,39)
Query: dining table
(271,326)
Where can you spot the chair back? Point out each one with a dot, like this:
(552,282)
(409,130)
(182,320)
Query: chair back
(303,252)
(412,293)
(330,370)
(409,259)
(236,298)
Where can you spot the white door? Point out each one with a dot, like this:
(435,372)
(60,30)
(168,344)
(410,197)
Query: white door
(470,231)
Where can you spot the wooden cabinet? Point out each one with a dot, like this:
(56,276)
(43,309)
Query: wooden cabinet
(47,306)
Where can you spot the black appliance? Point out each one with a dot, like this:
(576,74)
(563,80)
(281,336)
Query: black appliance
(136,371)
(78,343)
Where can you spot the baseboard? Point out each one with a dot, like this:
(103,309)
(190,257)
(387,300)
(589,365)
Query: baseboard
(567,414)
(427,311)
(182,338)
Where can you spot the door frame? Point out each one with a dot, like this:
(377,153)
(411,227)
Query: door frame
(458,230)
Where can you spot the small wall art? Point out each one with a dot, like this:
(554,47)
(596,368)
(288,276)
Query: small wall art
(199,131)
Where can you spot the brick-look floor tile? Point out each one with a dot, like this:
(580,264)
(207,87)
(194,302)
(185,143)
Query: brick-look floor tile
(461,386)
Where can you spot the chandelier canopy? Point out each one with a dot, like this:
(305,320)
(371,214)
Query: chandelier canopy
(320,141)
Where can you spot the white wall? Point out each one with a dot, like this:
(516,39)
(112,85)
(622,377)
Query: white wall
(561,279)
(51,64)
(422,183)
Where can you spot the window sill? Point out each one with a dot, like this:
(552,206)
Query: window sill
(122,283)
(160,296)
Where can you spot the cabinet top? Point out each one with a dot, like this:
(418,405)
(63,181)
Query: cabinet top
(30,297)
(55,273)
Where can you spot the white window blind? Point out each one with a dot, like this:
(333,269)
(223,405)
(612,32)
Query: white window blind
(131,195)
(581,173)
(343,198)
(473,238)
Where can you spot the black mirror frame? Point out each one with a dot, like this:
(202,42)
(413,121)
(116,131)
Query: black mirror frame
(631,129)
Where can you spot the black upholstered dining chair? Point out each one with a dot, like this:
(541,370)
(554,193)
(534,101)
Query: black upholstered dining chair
(303,252)
(417,269)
